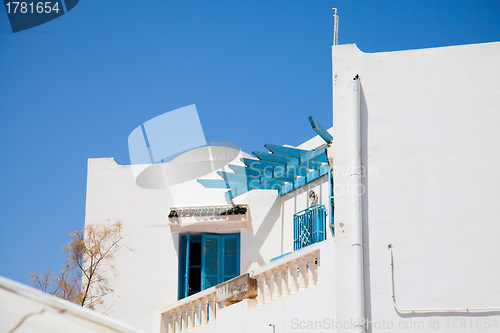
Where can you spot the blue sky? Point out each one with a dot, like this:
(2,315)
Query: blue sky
(74,88)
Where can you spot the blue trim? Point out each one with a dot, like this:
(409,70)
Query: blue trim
(279,257)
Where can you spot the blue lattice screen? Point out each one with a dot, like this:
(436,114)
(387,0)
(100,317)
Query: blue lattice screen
(309,226)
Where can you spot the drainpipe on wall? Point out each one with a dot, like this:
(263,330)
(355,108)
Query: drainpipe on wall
(357,217)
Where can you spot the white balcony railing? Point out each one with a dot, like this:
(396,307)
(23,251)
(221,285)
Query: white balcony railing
(287,275)
(190,312)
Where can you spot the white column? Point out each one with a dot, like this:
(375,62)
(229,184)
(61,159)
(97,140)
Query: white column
(170,321)
(277,282)
(311,268)
(184,315)
(204,310)
(211,306)
(285,285)
(190,317)
(269,285)
(197,313)
(177,327)
(261,297)
(303,273)
(294,278)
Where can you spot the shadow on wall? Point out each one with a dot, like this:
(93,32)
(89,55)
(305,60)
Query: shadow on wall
(189,165)
(258,238)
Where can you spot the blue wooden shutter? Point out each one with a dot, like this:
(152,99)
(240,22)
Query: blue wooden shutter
(209,261)
(183,266)
(186,269)
(230,256)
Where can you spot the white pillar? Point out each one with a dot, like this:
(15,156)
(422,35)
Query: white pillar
(204,310)
(261,281)
(197,313)
(294,276)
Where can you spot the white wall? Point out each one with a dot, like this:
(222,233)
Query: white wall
(430,143)
(147,277)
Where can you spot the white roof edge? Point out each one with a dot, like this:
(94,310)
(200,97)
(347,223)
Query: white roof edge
(54,302)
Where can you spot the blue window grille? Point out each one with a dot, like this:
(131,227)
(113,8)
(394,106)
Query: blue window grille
(309,226)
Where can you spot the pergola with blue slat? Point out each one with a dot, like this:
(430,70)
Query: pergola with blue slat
(282,168)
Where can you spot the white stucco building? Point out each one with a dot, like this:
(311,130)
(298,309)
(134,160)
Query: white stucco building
(413,242)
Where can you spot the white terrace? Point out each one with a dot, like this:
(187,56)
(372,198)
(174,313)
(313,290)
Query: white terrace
(272,284)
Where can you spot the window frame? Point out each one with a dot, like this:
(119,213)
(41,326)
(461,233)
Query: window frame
(223,252)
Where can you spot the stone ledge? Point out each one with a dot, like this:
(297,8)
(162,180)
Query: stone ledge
(235,290)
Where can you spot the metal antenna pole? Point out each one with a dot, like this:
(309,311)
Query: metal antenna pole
(335,26)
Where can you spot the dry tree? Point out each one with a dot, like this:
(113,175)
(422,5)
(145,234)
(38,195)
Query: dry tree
(89,260)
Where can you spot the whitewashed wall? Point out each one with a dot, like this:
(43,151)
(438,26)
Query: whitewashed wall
(431,144)
(147,277)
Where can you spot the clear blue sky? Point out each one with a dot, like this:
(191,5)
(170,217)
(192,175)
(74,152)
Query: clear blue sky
(74,88)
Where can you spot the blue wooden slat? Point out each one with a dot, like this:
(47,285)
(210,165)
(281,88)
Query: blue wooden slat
(218,183)
(311,176)
(309,164)
(285,178)
(324,170)
(244,170)
(316,154)
(288,187)
(291,165)
(271,185)
(266,177)
(322,132)
(292,152)
(281,174)
(234,177)
(257,165)
(257,173)
(299,182)
(285,166)
(277,158)
(233,193)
